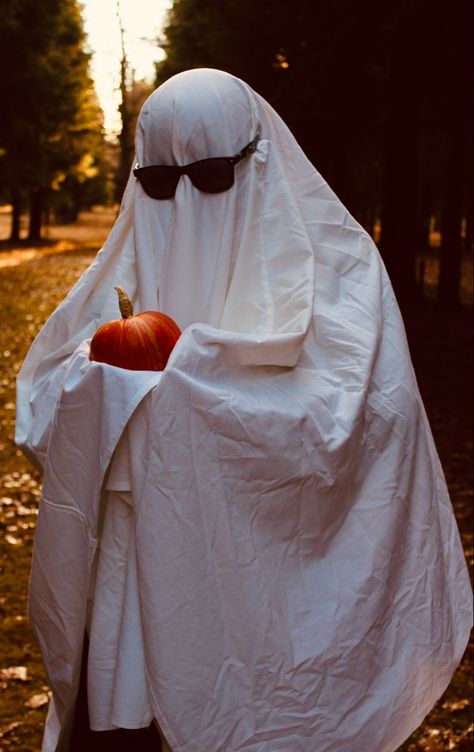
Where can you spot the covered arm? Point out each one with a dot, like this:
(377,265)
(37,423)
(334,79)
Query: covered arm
(94,404)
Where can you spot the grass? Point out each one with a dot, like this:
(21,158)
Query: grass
(33,281)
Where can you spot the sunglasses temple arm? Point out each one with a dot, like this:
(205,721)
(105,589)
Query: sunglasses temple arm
(249,149)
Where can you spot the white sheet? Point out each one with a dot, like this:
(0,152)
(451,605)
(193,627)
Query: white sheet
(300,576)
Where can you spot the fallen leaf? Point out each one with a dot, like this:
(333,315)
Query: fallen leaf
(14,673)
(37,701)
(459,705)
(9,727)
(12,540)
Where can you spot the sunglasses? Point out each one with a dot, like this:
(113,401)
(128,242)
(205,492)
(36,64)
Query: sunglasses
(212,175)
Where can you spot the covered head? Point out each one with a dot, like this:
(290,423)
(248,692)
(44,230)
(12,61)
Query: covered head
(221,258)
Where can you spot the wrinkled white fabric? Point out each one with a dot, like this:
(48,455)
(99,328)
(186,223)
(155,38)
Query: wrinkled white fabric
(117,688)
(300,578)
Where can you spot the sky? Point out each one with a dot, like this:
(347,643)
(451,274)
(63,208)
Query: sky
(142,21)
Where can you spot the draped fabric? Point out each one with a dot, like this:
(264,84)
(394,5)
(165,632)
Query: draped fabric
(299,576)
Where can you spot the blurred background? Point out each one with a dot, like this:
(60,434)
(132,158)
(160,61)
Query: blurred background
(378,94)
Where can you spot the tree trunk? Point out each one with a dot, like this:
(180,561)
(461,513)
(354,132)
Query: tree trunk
(125,137)
(468,237)
(400,235)
(450,262)
(36,210)
(15,216)
(457,104)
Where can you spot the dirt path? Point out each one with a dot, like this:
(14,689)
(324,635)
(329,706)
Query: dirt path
(31,287)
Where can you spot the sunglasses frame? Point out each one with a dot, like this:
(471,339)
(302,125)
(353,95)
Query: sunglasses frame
(179,170)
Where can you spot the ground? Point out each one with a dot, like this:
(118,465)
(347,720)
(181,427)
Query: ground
(33,281)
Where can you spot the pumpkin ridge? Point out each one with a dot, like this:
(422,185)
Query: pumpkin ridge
(151,336)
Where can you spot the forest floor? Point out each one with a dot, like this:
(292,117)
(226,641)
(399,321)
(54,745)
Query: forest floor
(33,280)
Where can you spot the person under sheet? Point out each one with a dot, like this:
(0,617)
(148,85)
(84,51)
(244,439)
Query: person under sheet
(259,539)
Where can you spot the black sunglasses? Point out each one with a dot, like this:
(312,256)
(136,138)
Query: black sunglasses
(209,175)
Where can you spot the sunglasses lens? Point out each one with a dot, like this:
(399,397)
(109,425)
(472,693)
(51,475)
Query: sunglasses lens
(212,175)
(159,181)
(208,175)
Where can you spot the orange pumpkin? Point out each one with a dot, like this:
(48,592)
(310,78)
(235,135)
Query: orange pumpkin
(140,343)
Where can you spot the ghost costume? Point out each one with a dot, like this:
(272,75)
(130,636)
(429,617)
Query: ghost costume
(259,538)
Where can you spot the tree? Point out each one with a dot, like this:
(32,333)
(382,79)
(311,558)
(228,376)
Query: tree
(133,94)
(456,173)
(125,138)
(401,200)
(49,112)
(84,183)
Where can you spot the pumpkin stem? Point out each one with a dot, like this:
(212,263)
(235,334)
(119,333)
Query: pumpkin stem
(125,304)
